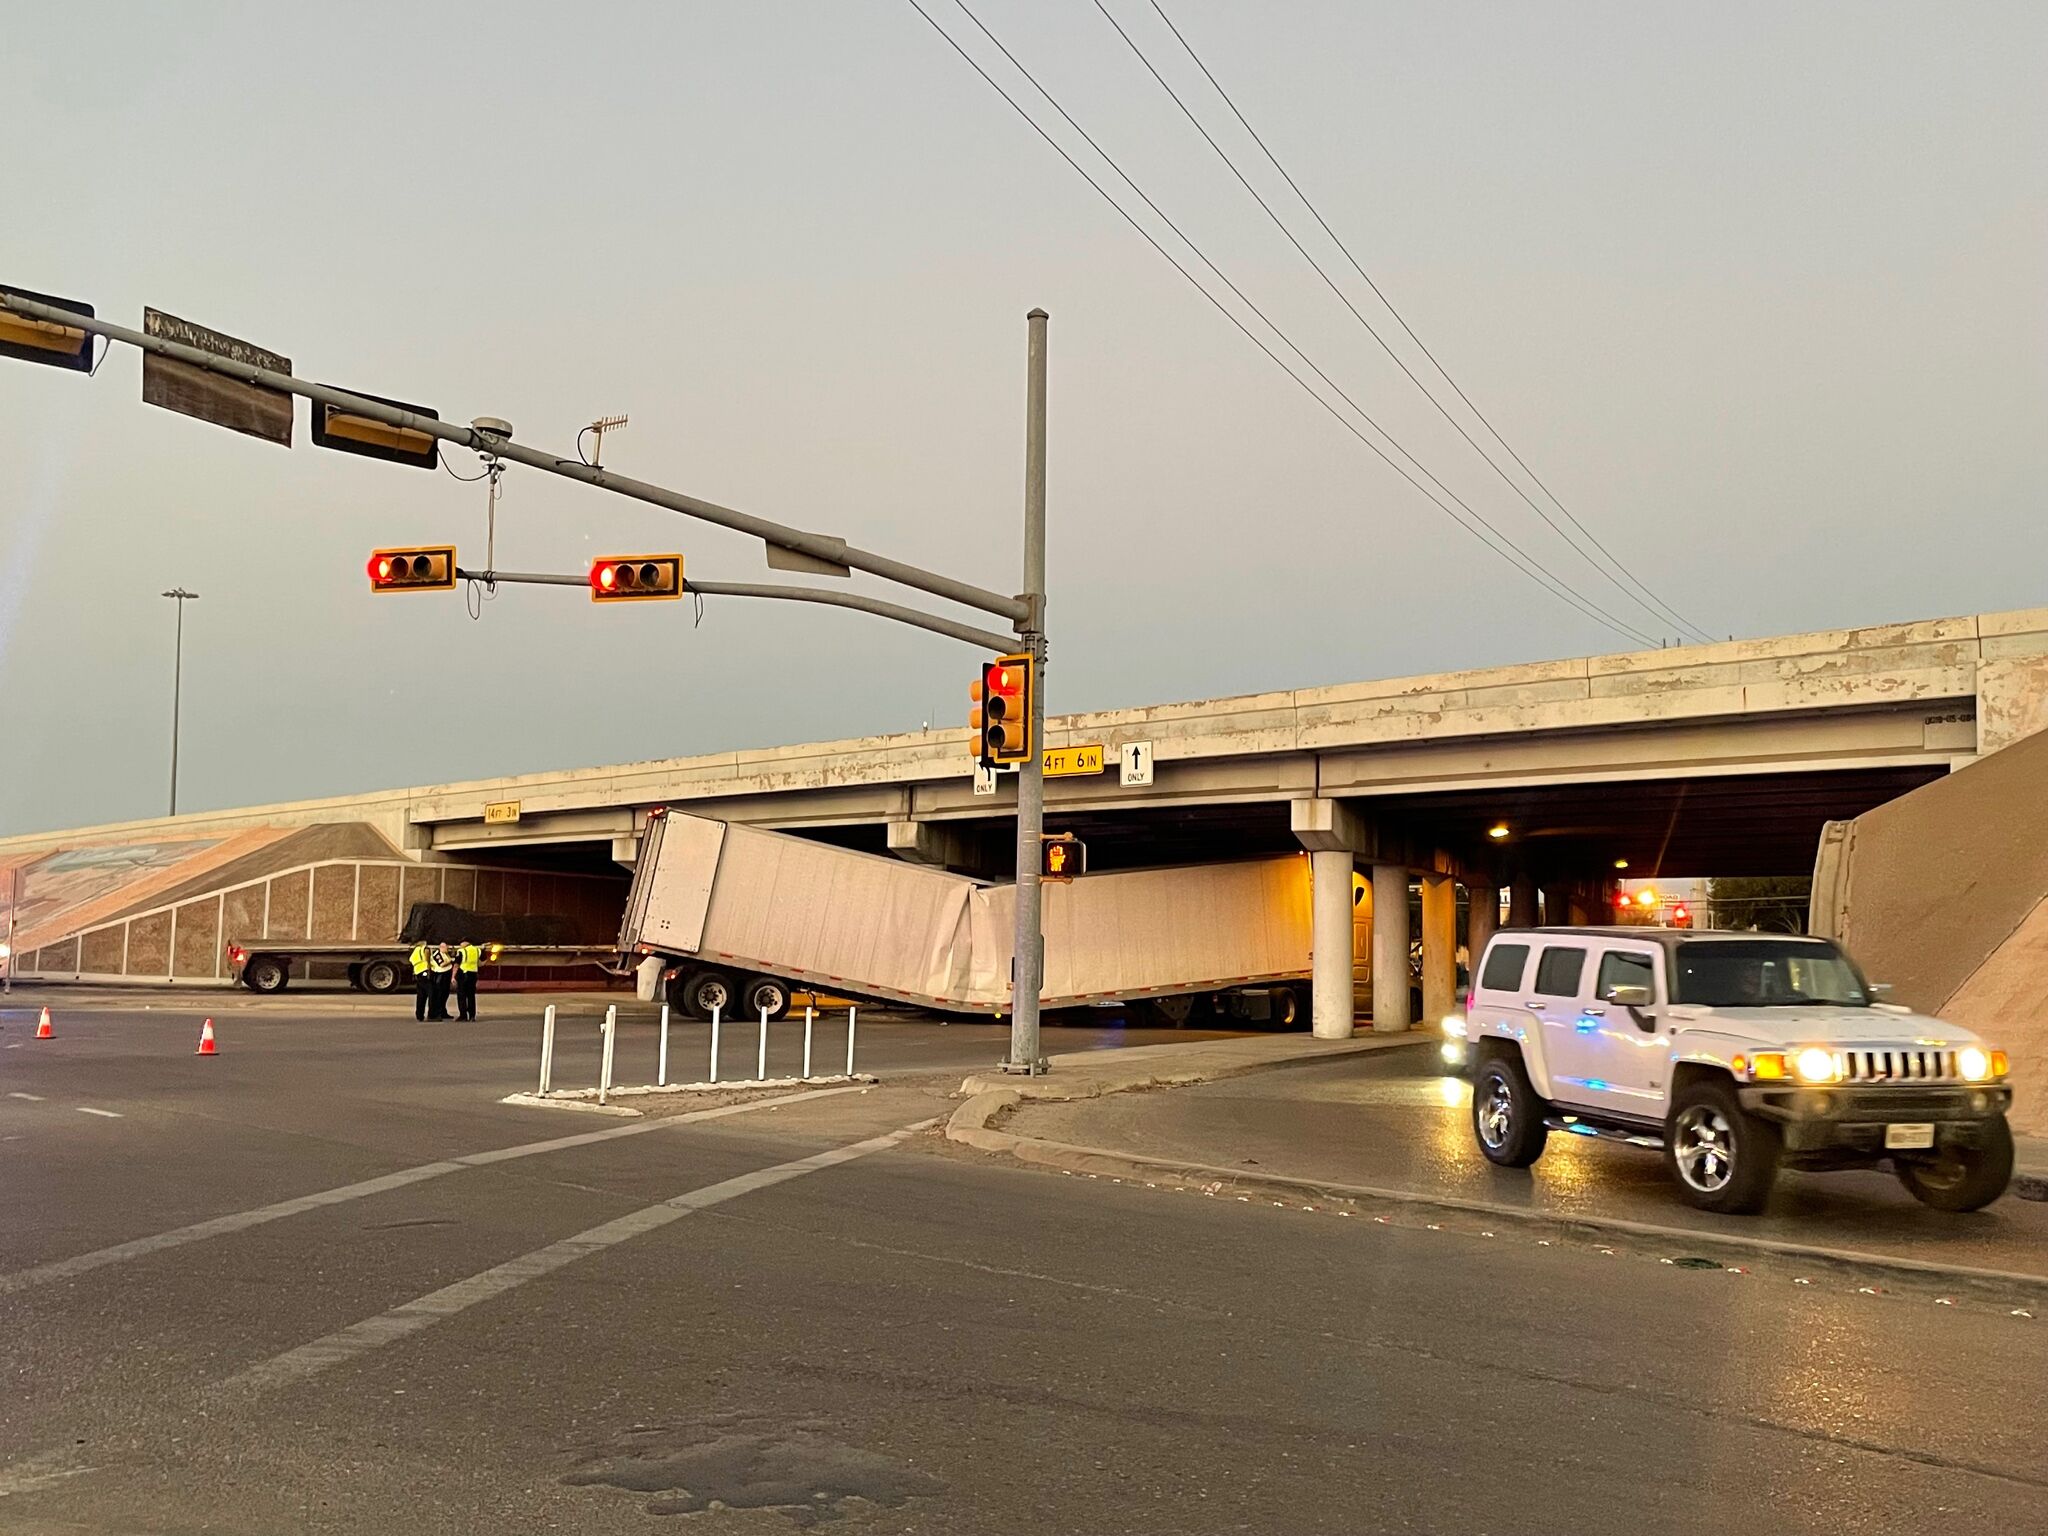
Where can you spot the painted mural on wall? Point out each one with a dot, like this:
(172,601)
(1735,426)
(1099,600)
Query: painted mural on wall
(49,885)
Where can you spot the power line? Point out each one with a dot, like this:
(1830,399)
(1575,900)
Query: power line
(1648,599)
(1472,522)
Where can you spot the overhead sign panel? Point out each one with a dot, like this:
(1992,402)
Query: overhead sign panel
(338,428)
(501,813)
(194,391)
(45,341)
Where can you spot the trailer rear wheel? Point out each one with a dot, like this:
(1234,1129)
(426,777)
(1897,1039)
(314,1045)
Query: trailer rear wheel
(770,993)
(265,973)
(710,989)
(380,976)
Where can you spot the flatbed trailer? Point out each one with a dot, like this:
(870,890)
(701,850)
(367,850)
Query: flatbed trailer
(269,965)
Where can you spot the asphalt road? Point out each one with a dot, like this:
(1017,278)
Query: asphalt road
(781,1318)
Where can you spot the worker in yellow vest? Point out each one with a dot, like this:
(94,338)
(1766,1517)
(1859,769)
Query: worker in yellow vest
(422,982)
(468,956)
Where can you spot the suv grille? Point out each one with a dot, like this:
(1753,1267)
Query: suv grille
(1915,1066)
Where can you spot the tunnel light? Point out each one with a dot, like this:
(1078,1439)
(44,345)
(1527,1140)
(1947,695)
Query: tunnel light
(1621,863)
(1497,831)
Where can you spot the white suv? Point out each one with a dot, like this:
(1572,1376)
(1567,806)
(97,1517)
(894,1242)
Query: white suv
(1738,1054)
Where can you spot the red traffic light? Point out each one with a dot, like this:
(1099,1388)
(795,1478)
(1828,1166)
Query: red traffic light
(628,578)
(431,569)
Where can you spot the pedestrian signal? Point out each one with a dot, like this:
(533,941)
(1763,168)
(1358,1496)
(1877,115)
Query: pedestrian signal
(413,570)
(1001,717)
(1061,856)
(635,578)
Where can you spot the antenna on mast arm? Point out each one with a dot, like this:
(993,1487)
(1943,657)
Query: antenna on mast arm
(597,430)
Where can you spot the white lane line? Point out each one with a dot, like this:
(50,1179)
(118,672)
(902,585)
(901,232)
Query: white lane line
(107,1114)
(240,1221)
(38,1472)
(33,1098)
(437,1306)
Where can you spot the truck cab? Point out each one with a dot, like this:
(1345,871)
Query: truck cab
(1737,1054)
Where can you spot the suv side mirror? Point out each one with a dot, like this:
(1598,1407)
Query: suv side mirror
(1626,995)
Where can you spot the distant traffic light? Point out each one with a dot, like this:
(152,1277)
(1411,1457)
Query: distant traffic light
(1681,917)
(635,578)
(45,341)
(1001,717)
(431,569)
(1061,856)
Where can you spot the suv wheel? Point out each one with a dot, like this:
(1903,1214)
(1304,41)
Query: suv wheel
(1507,1117)
(1723,1158)
(1962,1178)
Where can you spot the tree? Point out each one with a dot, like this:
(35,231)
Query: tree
(1769,903)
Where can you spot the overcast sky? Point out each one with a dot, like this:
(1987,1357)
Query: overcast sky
(1758,290)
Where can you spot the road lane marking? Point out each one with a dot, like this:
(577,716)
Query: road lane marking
(437,1306)
(110,1114)
(33,1098)
(241,1221)
(39,1472)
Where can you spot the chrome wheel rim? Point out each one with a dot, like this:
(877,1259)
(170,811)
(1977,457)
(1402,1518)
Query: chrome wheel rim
(1703,1145)
(771,998)
(1493,1112)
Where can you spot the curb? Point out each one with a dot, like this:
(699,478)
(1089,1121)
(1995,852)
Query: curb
(970,1126)
(1170,1076)
(2030,1186)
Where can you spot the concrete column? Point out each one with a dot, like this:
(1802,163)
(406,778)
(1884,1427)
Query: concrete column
(1557,905)
(1481,918)
(1330,960)
(1522,901)
(1439,947)
(1390,948)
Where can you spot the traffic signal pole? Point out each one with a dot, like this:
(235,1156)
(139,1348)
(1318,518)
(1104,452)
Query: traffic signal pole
(1028,968)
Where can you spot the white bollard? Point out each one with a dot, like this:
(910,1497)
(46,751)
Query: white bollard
(547,1050)
(714,1045)
(851,1015)
(611,1032)
(761,1067)
(808,1012)
(661,1061)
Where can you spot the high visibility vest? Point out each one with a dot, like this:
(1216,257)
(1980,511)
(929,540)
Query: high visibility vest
(419,959)
(440,960)
(472,957)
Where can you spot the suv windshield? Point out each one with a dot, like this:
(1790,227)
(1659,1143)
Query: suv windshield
(1766,973)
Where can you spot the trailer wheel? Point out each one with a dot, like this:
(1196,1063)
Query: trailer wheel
(770,993)
(265,973)
(1283,1007)
(380,976)
(711,989)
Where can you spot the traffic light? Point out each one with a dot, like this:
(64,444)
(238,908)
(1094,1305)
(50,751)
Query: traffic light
(1001,717)
(45,341)
(1681,917)
(413,570)
(635,578)
(1061,856)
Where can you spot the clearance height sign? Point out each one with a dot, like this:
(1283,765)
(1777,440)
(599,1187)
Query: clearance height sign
(1071,762)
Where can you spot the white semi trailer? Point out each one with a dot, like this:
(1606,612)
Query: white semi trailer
(737,917)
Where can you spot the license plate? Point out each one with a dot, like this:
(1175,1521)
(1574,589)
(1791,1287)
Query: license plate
(1906,1137)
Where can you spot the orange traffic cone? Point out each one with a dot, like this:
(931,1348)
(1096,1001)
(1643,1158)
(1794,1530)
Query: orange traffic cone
(43,1030)
(206,1045)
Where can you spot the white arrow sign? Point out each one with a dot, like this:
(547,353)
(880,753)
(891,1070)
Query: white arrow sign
(1134,764)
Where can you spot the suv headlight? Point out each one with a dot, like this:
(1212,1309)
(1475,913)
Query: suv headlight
(1814,1065)
(1978,1065)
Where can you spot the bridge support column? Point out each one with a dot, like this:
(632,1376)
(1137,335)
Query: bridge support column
(1439,947)
(1330,961)
(1332,833)
(1482,917)
(1522,901)
(1389,948)
(944,847)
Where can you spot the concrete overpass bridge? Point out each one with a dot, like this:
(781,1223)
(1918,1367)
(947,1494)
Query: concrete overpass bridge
(1721,759)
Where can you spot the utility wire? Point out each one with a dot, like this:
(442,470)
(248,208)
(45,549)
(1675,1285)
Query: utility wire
(1472,522)
(1648,600)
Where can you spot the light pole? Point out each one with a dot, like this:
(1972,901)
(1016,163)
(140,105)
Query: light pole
(181,597)
(1028,964)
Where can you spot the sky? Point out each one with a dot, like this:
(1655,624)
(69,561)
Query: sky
(1757,290)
